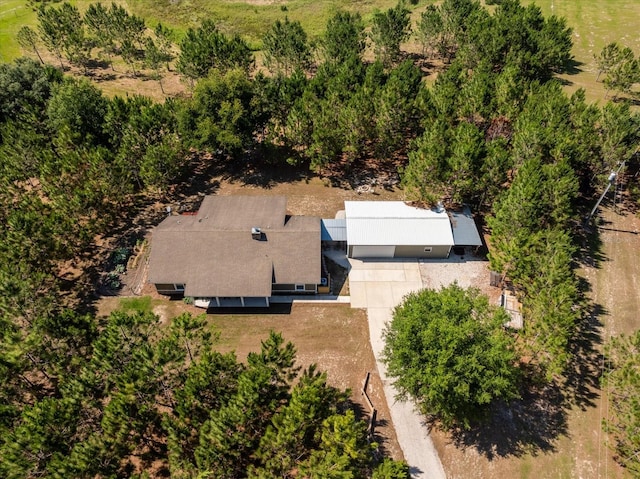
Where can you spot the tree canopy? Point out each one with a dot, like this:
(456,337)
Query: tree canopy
(131,398)
(621,381)
(495,130)
(449,351)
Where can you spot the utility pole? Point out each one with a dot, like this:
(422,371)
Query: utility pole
(611,180)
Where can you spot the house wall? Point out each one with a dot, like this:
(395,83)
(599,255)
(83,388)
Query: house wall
(412,251)
(165,288)
(419,251)
(291,288)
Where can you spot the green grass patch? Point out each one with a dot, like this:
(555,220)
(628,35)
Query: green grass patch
(595,23)
(13,15)
(251,18)
(143,304)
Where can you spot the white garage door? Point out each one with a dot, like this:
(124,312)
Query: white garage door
(373,251)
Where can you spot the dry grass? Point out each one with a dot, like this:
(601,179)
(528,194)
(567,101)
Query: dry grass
(336,338)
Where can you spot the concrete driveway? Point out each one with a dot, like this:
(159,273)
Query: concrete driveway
(379,286)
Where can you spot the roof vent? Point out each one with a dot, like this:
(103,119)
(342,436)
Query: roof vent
(256,233)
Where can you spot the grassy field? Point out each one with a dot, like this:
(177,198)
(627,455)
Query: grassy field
(13,15)
(252,18)
(594,22)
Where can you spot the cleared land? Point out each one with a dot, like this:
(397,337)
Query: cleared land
(568,442)
(13,15)
(595,24)
(578,449)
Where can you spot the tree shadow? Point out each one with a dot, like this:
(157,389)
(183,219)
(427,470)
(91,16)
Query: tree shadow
(590,247)
(533,423)
(582,378)
(570,68)
(573,67)
(529,425)
(633,99)
(264,166)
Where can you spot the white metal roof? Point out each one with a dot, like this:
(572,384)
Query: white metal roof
(395,223)
(465,232)
(333,229)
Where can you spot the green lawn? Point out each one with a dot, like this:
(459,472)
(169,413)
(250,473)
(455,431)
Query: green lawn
(251,18)
(13,15)
(595,23)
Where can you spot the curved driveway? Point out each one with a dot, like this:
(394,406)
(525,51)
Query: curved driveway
(378,286)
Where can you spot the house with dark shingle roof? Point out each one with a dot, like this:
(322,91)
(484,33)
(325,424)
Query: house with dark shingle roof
(236,251)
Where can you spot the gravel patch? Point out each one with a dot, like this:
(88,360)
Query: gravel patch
(468,271)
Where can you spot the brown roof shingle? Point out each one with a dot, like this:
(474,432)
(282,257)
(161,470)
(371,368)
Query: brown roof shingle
(213,253)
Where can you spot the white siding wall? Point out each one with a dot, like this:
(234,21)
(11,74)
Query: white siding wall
(363,251)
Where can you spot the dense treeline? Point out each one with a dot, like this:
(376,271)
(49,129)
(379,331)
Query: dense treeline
(495,130)
(129,399)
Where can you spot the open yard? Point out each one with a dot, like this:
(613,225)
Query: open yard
(577,447)
(595,24)
(13,15)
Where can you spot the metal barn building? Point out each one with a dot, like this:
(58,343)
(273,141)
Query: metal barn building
(394,229)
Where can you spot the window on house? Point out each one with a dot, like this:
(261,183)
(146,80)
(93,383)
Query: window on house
(299,287)
(427,249)
(179,287)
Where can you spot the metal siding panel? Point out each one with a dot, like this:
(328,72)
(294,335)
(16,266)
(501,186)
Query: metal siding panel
(371,251)
(399,231)
(333,230)
(417,251)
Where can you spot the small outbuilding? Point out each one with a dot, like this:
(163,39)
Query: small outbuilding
(395,229)
(465,231)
